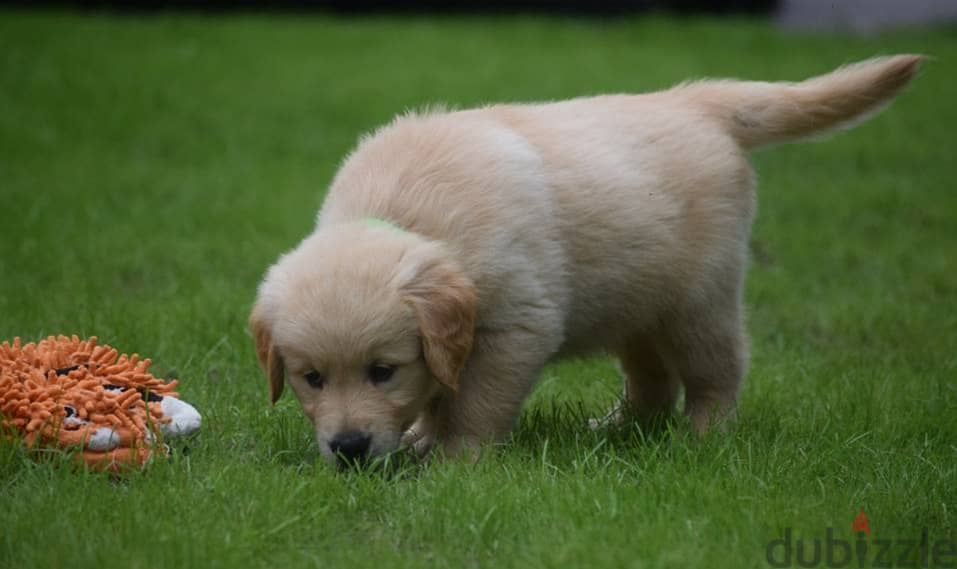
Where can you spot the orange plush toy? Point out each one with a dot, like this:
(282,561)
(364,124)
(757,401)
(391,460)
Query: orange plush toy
(72,393)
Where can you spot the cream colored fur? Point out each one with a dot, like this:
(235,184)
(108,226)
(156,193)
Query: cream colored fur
(534,232)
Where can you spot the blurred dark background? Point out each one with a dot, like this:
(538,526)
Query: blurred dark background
(598,7)
(855,16)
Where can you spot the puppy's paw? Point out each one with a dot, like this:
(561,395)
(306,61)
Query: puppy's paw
(419,439)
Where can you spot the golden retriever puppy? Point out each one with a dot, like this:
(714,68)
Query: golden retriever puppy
(459,252)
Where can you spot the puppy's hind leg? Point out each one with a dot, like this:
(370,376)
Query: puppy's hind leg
(651,383)
(711,356)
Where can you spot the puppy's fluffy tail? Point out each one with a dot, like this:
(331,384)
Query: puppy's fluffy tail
(758,114)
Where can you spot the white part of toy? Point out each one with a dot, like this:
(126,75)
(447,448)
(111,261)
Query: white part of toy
(103,439)
(185,419)
(74,422)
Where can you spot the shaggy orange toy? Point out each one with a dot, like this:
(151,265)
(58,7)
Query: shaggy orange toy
(65,392)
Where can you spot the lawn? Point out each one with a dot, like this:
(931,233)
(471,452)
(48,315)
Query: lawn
(151,167)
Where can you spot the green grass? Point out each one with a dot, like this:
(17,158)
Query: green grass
(152,167)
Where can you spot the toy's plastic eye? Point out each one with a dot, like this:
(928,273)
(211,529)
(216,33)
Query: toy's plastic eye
(381,373)
(315,379)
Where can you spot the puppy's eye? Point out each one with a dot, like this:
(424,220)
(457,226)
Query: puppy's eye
(315,379)
(381,373)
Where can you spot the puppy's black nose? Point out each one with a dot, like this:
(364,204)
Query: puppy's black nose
(351,445)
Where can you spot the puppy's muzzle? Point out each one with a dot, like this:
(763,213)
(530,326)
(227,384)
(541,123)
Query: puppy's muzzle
(351,445)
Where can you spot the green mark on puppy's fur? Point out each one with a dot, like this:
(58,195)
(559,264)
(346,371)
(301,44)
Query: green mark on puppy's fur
(377,222)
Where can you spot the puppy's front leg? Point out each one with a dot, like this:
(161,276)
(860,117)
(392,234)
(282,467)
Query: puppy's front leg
(485,407)
(420,437)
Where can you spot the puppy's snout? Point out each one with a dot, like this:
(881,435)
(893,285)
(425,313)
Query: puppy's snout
(351,445)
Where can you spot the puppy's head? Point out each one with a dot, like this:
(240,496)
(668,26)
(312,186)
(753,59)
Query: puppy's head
(366,324)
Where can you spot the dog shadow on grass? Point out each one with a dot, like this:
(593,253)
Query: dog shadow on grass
(567,435)
(562,435)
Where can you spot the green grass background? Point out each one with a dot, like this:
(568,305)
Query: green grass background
(152,167)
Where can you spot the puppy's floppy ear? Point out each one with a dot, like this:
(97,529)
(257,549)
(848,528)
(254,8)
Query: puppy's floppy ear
(444,302)
(269,359)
